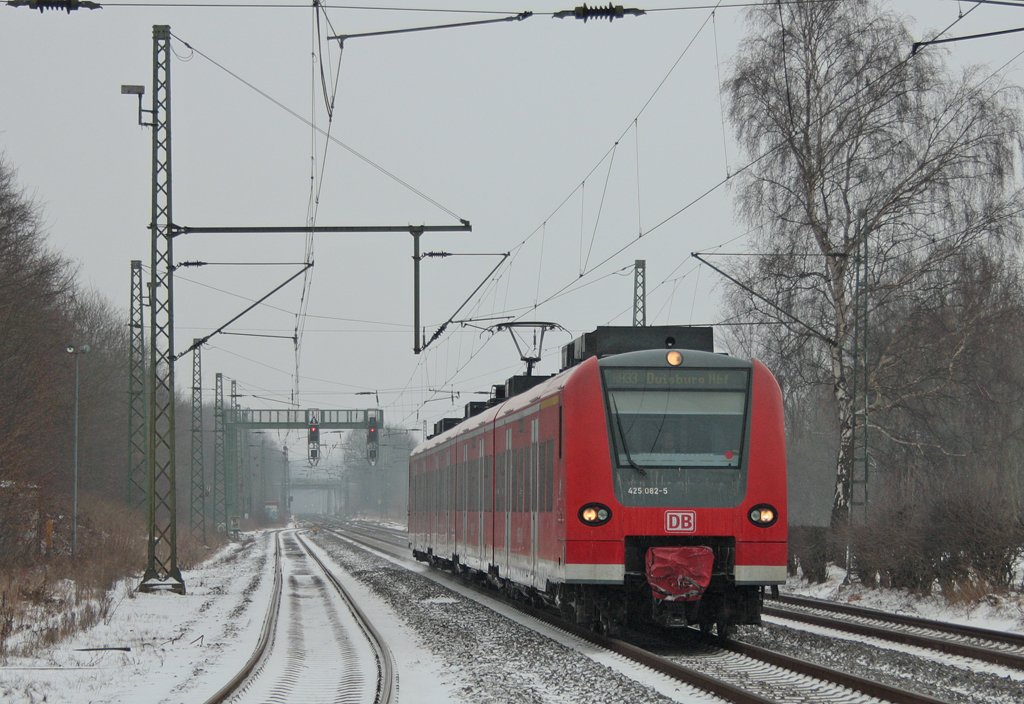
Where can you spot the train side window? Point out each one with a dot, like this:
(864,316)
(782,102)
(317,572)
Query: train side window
(541,477)
(508,486)
(499,482)
(463,482)
(559,430)
(520,456)
(527,478)
(551,476)
(477,484)
(488,487)
(545,476)
(534,491)
(471,485)
(550,452)
(513,480)
(486,470)
(467,474)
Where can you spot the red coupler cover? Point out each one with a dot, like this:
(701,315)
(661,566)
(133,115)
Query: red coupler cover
(679,573)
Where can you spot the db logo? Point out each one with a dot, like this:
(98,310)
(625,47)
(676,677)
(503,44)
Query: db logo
(680,521)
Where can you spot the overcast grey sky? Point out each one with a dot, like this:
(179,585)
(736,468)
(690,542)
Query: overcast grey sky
(560,141)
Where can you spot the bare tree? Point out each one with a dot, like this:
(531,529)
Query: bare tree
(382,489)
(858,147)
(42,310)
(35,284)
(946,424)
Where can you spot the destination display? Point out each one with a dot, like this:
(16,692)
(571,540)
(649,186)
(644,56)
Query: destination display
(723,379)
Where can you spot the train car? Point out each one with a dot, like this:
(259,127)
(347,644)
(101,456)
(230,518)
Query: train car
(633,486)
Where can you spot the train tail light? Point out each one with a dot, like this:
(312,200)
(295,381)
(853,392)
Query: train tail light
(763,515)
(595,514)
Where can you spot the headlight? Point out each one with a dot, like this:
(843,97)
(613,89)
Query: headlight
(674,358)
(595,514)
(763,515)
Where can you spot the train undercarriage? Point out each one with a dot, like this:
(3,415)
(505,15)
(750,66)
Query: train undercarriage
(718,607)
(610,609)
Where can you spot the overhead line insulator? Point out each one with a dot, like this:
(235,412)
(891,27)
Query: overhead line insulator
(612,12)
(67,5)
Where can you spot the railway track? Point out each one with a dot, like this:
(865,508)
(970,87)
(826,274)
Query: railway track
(1006,649)
(995,647)
(734,672)
(316,645)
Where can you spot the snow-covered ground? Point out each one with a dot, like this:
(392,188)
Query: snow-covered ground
(168,647)
(183,648)
(994,612)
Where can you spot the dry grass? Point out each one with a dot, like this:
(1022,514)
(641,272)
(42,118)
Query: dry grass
(44,599)
(192,550)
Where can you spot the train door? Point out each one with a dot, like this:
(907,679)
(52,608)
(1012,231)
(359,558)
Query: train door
(449,502)
(425,503)
(497,522)
(487,524)
(472,506)
(509,500)
(460,506)
(532,484)
(439,515)
(435,499)
(482,476)
(439,505)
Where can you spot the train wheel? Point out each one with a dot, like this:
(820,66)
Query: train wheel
(609,626)
(725,629)
(705,628)
(566,607)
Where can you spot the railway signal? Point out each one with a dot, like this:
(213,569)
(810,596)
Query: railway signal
(314,439)
(372,440)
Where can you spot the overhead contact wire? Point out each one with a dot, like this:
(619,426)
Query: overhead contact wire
(365,159)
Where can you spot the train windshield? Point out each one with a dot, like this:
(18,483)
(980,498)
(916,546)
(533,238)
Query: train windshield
(677,418)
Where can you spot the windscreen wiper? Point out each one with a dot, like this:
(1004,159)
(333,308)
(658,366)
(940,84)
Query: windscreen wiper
(622,438)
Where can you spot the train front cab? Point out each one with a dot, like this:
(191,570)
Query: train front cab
(676,459)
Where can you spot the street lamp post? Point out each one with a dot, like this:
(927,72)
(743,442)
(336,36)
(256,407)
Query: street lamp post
(77,351)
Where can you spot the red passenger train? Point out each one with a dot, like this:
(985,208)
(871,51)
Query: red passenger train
(633,486)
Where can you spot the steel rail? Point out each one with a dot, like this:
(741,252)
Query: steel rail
(950,647)
(863,685)
(382,535)
(387,673)
(638,655)
(1016,639)
(266,634)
